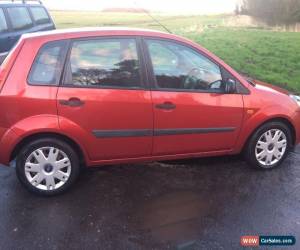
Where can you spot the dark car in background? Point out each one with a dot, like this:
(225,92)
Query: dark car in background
(20,17)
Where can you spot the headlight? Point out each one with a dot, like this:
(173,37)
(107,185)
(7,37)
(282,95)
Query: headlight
(296,98)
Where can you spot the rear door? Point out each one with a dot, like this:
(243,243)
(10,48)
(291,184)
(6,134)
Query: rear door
(191,111)
(20,22)
(103,97)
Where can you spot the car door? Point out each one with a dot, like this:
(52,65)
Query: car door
(20,23)
(191,111)
(103,100)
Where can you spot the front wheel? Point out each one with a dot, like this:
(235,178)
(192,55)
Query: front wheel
(47,166)
(269,145)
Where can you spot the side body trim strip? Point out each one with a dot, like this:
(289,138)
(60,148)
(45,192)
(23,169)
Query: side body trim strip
(157,132)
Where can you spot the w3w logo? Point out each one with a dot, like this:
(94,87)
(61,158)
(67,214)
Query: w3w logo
(250,241)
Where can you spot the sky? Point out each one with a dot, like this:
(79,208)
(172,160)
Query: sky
(170,6)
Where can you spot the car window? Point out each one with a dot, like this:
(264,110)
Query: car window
(104,63)
(48,65)
(180,67)
(3,24)
(19,17)
(40,15)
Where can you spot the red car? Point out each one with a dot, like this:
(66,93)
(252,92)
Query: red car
(92,97)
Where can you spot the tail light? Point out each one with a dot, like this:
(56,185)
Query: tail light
(2,74)
(2,79)
(8,62)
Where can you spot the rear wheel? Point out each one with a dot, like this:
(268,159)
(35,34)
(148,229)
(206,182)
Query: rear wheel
(47,166)
(269,145)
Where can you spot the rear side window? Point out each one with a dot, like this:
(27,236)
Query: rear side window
(3,24)
(48,64)
(40,15)
(104,63)
(19,17)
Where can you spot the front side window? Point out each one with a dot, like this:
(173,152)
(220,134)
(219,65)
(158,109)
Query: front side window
(40,15)
(104,63)
(19,17)
(3,24)
(181,68)
(48,65)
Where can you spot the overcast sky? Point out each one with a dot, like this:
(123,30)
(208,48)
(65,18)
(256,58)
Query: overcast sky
(182,6)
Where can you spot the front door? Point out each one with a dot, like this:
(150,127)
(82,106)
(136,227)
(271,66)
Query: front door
(103,95)
(191,111)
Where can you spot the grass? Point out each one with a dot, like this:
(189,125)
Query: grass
(269,56)
(266,55)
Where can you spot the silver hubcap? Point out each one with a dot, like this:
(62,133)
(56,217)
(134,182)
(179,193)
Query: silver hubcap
(271,147)
(47,168)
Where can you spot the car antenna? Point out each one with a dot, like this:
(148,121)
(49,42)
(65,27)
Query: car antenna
(152,17)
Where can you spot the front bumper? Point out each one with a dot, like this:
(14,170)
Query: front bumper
(296,122)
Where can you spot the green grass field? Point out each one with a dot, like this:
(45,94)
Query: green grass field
(266,55)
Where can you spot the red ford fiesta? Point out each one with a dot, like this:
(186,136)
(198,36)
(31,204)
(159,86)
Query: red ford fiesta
(92,97)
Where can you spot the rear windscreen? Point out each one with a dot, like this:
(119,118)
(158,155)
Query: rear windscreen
(40,15)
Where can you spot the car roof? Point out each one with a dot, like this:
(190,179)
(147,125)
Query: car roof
(74,33)
(5,5)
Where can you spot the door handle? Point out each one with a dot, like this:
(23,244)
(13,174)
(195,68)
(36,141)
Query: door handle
(72,102)
(166,106)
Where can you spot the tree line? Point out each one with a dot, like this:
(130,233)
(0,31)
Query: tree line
(273,12)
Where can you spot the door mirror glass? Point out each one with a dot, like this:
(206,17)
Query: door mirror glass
(230,86)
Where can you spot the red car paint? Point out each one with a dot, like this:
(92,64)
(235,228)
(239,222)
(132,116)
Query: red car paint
(28,110)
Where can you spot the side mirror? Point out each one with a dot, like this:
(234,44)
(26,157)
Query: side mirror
(230,86)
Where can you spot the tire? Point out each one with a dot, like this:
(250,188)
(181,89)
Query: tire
(260,145)
(47,166)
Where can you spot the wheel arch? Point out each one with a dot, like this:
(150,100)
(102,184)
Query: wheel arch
(39,135)
(274,119)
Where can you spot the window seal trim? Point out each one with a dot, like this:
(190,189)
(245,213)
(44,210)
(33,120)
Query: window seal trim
(142,70)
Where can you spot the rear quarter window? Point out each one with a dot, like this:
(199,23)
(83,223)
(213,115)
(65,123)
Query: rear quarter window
(19,18)
(40,15)
(48,64)
(3,24)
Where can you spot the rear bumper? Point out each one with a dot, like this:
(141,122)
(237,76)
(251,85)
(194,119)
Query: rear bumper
(7,140)
(2,57)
